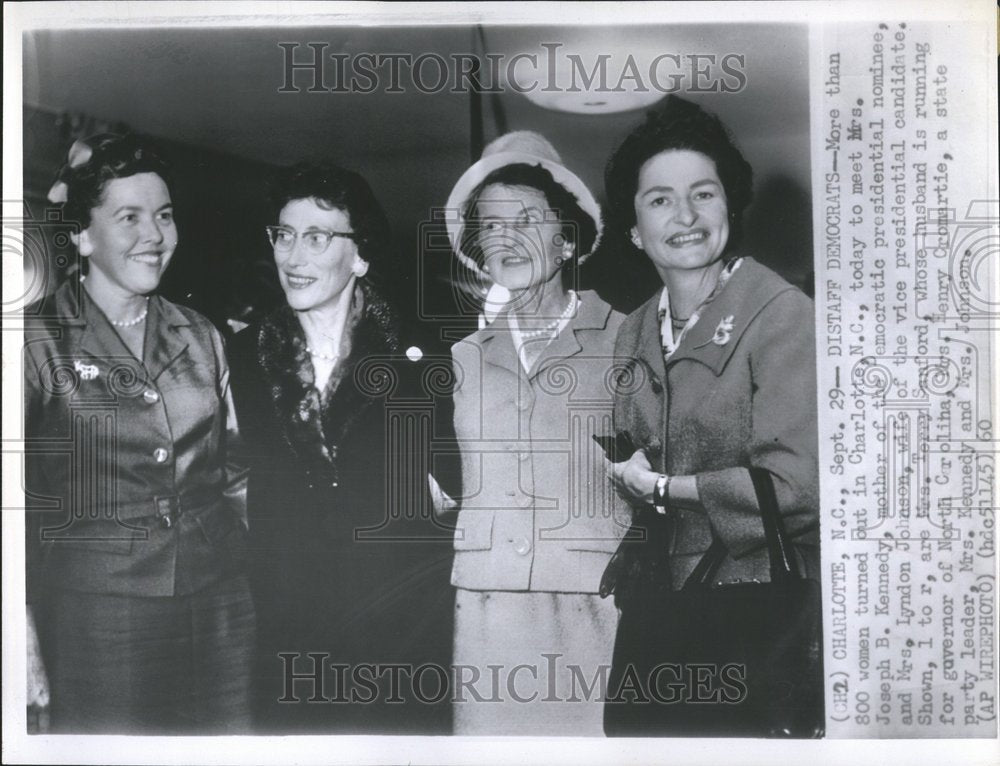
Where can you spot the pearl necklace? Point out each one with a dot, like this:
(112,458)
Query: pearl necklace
(324,357)
(552,326)
(132,322)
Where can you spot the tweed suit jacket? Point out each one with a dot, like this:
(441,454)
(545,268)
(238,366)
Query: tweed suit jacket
(725,400)
(536,512)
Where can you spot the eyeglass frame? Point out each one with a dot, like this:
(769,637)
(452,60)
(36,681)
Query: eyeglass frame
(331,234)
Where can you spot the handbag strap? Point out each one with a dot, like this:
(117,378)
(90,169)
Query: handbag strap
(783,565)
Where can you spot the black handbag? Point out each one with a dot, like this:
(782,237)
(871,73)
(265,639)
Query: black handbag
(715,659)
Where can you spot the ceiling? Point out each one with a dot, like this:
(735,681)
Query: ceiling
(219,89)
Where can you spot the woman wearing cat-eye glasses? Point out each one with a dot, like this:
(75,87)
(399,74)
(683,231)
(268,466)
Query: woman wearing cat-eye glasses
(330,480)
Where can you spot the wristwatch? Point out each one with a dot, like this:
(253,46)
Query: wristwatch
(661,494)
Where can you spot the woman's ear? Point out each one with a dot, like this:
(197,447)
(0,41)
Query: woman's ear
(636,239)
(360,266)
(83,243)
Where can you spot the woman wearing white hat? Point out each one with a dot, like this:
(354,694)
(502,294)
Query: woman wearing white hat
(536,525)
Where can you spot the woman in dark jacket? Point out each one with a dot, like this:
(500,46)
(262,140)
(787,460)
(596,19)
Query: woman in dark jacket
(346,561)
(136,582)
(720,378)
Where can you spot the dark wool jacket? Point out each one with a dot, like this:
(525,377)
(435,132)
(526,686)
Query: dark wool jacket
(344,552)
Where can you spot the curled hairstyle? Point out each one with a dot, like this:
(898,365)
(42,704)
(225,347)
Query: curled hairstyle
(112,156)
(333,188)
(677,125)
(577,226)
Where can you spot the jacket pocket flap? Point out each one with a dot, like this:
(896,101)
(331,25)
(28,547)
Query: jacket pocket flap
(97,537)
(474,529)
(608,544)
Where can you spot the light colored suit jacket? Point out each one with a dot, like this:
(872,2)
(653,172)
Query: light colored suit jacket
(537,511)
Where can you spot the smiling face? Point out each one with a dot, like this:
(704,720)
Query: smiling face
(520,238)
(316,281)
(131,237)
(682,219)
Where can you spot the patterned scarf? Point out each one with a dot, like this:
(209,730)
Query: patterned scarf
(667,340)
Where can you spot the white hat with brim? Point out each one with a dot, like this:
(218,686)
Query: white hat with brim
(522,147)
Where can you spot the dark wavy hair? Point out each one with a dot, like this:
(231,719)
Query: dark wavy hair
(577,226)
(335,188)
(677,125)
(112,156)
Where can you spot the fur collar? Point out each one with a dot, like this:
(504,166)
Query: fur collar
(315,426)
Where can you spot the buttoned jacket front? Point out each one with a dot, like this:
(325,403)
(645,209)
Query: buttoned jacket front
(128,487)
(739,391)
(537,511)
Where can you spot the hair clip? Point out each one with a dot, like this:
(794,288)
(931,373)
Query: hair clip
(79,154)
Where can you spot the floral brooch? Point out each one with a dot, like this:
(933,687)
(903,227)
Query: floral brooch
(723,332)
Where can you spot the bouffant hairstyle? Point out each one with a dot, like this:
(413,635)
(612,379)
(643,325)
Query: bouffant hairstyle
(112,156)
(577,227)
(677,125)
(335,188)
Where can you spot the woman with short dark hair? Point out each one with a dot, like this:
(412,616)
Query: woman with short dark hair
(345,560)
(719,379)
(137,583)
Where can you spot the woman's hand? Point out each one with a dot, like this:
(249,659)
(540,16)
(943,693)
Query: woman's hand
(635,478)
(38,682)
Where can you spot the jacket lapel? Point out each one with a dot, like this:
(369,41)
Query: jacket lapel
(162,349)
(99,338)
(648,347)
(592,314)
(497,341)
(647,392)
(717,334)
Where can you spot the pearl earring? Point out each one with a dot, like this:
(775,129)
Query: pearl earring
(567,253)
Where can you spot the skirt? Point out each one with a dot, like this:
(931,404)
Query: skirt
(149,665)
(531,664)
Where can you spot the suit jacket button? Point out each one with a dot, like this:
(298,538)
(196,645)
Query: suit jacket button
(150,396)
(160,455)
(656,385)
(521,546)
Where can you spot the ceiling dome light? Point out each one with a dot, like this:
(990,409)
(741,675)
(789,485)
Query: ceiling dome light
(602,102)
